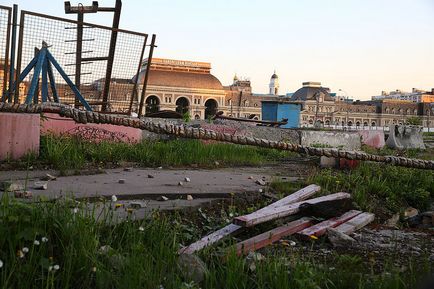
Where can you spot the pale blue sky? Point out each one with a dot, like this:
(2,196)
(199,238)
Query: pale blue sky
(359,46)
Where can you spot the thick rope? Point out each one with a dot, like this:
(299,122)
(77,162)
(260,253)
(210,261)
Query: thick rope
(81,116)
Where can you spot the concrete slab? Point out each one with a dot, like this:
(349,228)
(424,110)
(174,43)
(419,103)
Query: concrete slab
(204,183)
(19,135)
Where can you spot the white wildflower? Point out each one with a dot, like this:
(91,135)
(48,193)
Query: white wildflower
(114,198)
(25,250)
(44,239)
(50,268)
(20,254)
(141,229)
(75,211)
(56,267)
(36,243)
(1,264)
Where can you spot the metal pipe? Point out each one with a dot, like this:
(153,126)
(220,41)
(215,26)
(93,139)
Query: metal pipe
(135,92)
(111,55)
(79,48)
(6,85)
(145,80)
(19,59)
(13,47)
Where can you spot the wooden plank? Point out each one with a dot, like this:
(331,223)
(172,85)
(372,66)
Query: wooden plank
(210,239)
(283,211)
(356,223)
(320,228)
(272,236)
(216,236)
(298,196)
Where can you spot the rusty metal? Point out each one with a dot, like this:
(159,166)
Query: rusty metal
(136,82)
(145,80)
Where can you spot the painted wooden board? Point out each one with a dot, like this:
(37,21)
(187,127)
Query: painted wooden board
(210,239)
(272,236)
(216,236)
(356,223)
(283,211)
(320,228)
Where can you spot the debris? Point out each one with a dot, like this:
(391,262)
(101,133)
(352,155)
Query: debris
(189,198)
(428,218)
(128,169)
(40,185)
(356,223)
(393,221)
(261,182)
(121,181)
(23,195)
(272,236)
(260,190)
(114,198)
(216,163)
(136,205)
(320,228)
(150,177)
(250,177)
(187,180)
(180,183)
(163,198)
(11,186)
(48,177)
(410,212)
(339,239)
(192,267)
(327,209)
(216,236)
(268,214)
(159,168)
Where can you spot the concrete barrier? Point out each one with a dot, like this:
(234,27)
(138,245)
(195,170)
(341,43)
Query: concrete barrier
(405,137)
(19,135)
(373,138)
(334,139)
(54,124)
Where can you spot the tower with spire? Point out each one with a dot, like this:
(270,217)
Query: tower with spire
(274,84)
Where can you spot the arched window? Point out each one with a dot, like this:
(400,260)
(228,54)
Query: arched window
(365,123)
(152,104)
(373,123)
(182,105)
(210,108)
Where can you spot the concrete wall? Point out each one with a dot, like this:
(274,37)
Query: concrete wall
(53,123)
(19,135)
(373,138)
(335,139)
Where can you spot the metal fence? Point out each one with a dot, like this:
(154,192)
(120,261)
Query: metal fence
(61,36)
(5,30)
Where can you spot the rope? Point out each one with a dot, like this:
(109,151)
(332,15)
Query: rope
(81,116)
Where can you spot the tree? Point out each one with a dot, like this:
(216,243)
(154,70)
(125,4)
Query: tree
(414,120)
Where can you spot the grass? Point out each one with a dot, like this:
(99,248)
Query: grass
(143,255)
(65,153)
(375,187)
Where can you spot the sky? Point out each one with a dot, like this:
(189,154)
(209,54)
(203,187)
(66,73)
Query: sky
(360,47)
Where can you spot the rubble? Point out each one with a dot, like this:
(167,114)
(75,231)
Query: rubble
(261,182)
(339,239)
(192,267)
(121,181)
(162,198)
(40,185)
(48,177)
(187,179)
(11,186)
(189,198)
(23,194)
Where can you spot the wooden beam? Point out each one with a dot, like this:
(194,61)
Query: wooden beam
(230,229)
(210,239)
(283,211)
(272,236)
(298,196)
(356,223)
(320,228)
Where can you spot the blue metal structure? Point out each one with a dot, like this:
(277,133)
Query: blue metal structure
(41,64)
(278,110)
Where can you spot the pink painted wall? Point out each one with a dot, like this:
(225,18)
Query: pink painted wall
(19,134)
(372,138)
(53,123)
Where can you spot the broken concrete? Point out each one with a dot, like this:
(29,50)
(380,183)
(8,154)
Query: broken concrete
(405,137)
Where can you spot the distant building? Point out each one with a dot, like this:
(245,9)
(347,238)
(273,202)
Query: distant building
(416,95)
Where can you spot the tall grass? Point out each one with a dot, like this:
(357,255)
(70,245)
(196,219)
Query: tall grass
(374,186)
(73,153)
(101,253)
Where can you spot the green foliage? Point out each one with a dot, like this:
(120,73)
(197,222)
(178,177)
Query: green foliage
(414,120)
(375,185)
(186,117)
(72,153)
(93,250)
